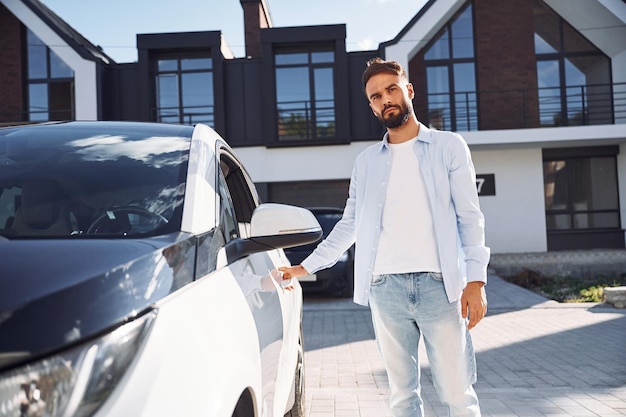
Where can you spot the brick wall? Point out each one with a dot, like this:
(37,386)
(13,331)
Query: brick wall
(255,18)
(506,75)
(11,73)
(505,63)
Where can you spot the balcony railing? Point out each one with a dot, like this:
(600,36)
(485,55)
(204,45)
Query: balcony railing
(187,115)
(299,120)
(518,109)
(26,117)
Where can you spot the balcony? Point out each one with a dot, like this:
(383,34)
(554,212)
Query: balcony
(187,115)
(599,104)
(306,120)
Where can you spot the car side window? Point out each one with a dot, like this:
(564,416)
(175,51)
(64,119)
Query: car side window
(228,221)
(8,206)
(240,193)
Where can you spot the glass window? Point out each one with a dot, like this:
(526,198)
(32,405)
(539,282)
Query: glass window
(242,195)
(581,193)
(325,57)
(574,77)
(196,64)
(38,102)
(450,75)
(438,97)
(197,96)
(324,102)
(290,58)
(37,57)
(58,68)
(440,49)
(167,90)
(167,65)
(541,46)
(184,90)
(546,28)
(294,106)
(462,31)
(465,97)
(9,195)
(228,221)
(305,93)
(50,83)
(549,93)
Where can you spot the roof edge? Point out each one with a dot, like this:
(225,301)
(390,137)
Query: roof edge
(383,45)
(71,36)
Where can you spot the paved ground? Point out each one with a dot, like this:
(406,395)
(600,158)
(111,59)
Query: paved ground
(535,358)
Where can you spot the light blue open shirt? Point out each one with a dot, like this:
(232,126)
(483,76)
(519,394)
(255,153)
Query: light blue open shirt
(448,171)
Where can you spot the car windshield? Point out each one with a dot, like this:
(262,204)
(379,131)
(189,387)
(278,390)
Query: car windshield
(85,179)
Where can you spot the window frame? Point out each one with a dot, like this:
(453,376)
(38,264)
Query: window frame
(312,126)
(182,116)
(561,56)
(471,121)
(578,237)
(240,188)
(50,81)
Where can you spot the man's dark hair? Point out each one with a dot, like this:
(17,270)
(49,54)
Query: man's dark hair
(379,65)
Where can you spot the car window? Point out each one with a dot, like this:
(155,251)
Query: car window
(8,203)
(73,181)
(240,192)
(228,220)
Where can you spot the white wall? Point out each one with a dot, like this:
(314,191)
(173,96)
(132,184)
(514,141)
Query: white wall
(300,163)
(515,216)
(418,35)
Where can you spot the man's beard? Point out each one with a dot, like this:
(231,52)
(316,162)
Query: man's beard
(397,120)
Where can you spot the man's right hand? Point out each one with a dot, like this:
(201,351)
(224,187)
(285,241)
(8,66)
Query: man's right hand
(293,271)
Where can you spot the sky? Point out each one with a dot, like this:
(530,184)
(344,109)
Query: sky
(114,24)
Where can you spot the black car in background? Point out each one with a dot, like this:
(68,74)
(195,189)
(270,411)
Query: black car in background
(337,280)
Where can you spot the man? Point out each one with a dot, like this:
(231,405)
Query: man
(421,260)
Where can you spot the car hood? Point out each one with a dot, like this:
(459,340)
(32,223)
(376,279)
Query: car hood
(57,292)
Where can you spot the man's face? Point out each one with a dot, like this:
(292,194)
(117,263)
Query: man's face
(390,98)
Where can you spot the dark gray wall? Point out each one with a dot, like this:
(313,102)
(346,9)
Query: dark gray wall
(245,108)
(244,102)
(121,93)
(364,125)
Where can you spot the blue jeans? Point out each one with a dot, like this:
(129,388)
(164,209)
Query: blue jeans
(405,307)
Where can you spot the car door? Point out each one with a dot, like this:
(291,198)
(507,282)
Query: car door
(272,307)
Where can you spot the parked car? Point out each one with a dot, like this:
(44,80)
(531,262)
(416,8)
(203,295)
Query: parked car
(137,276)
(337,280)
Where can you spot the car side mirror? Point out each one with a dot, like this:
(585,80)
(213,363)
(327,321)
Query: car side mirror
(275,226)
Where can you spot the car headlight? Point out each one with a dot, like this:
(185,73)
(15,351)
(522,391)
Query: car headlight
(75,382)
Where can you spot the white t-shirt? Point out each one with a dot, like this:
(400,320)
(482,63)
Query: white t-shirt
(407,240)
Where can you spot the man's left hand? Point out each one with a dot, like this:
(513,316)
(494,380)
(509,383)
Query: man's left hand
(474,303)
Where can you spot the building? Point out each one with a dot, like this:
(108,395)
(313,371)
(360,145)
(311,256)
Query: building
(536,87)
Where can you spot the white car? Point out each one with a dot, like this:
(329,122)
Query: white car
(138,276)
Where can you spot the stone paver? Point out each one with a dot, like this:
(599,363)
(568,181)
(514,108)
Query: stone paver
(536,357)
